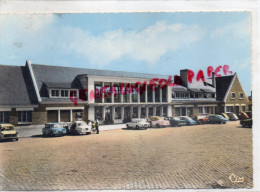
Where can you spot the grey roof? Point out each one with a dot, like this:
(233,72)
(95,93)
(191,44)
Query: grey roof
(58,85)
(208,91)
(46,73)
(47,100)
(195,90)
(222,85)
(16,86)
(194,101)
(179,89)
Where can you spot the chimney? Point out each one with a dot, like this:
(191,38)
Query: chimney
(213,79)
(184,76)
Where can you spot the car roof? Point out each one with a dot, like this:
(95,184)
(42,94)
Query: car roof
(6,125)
(52,123)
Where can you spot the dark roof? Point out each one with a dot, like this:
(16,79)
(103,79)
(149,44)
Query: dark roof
(47,100)
(195,90)
(46,73)
(208,91)
(58,85)
(16,86)
(222,85)
(179,89)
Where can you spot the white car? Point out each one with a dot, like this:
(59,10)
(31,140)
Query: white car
(138,123)
(80,127)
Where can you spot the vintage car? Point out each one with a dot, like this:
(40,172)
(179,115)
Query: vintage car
(232,116)
(201,118)
(246,122)
(158,122)
(138,123)
(217,119)
(249,114)
(188,120)
(54,129)
(242,115)
(8,132)
(225,115)
(176,121)
(80,127)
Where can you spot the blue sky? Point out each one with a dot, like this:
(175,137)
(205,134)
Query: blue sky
(159,43)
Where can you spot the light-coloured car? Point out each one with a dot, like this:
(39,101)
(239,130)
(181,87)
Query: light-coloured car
(80,127)
(159,122)
(8,131)
(138,123)
(54,129)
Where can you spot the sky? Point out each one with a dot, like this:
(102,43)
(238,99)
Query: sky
(156,43)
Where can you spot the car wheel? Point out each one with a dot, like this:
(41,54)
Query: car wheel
(16,139)
(127,126)
(137,127)
(51,134)
(158,126)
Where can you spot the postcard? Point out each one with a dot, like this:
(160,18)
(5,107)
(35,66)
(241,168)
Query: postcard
(126,100)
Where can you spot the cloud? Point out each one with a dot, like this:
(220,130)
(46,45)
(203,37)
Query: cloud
(240,29)
(146,45)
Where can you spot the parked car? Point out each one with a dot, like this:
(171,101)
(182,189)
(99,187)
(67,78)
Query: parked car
(246,122)
(159,122)
(8,132)
(54,129)
(138,123)
(176,121)
(201,118)
(242,115)
(249,114)
(217,119)
(80,127)
(188,120)
(232,116)
(225,115)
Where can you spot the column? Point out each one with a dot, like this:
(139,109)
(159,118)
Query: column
(103,112)
(59,116)
(154,111)
(139,112)
(130,94)
(169,111)
(103,98)
(161,111)
(160,93)
(146,99)
(71,115)
(146,112)
(112,92)
(138,94)
(131,112)
(153,92)
(113,113)
(122,113)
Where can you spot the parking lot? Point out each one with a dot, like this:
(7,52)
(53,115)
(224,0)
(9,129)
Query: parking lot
(201,156)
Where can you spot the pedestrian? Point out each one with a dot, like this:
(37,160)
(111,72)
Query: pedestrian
(97,126)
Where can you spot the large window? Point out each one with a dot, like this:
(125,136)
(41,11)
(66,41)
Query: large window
(177,111)
(158,111)
(64,93)
(150,93)
(4,117)
(181,95)
(117,112)
(135,112)
(150,111)
(164,94)
(143,112)
(98,94)
(117,95)
(243,108)
(134,94)
(229,109)
(233,95)
(107,92)
(55,93)
(200,109)
(98,113)
(198,95)
(157,94)
(25,116)
(241,96)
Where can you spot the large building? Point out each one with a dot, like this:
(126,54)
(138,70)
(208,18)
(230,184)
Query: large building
(36,94)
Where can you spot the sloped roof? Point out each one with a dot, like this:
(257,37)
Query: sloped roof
(179,89)
(196,90)
(46,73)
(222,85)
(58,85)
(208,90)
(16,86)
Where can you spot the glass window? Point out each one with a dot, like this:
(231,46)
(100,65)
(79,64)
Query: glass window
(189,111)
(157,94)
(55,93)
(233,95)
(243,108)
(207,109)
(25,116)
(177,111)
(158,111)
(117,95)
(164,94)
(4,117)
(64,93)
(200,109)
(107,92)
(98,95)
(149,93)
(165,111)
(134,95)
(117,112)
(73,93)
(135,112)
(143,112)
(241,96)
(98,113)
(150,112)
(229,108)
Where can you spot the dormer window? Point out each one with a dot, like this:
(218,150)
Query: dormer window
(55,93)
(198,95)
(73,93)
(180,95)
(64,93)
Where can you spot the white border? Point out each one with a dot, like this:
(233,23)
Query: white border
(253,6)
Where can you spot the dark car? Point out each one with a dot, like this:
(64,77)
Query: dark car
(246,122)
(176,122)
(242,116)
(188,120)
(217,119)
(249,114)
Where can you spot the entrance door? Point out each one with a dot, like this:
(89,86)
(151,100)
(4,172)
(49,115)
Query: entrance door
(183,111)
(127,114)
(237,109)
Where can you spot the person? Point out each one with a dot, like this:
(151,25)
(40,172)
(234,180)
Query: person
(97,126)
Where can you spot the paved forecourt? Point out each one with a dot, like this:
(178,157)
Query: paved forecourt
(202,156)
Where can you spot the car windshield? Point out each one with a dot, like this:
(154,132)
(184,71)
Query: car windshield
(8,128)
(82,123)
(176,118)
(188,118)
(220,116)
(49,125)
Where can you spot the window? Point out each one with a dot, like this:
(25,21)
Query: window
(55,93)
(25,116)
(200,109)
(4,117)
(229,109)
(117,112)
(177,111)
(73,93)
(206,109)
(233,95)
(241,96)
(135,112)
(134,94)
(98,112)
(64,93)
(181,95)
(243,108)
